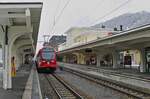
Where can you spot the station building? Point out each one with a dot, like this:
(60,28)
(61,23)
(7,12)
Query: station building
(83,35)
(96,47)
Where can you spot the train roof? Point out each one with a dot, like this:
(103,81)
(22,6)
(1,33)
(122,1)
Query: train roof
(47,49)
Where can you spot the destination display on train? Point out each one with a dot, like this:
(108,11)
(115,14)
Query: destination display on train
(48,49)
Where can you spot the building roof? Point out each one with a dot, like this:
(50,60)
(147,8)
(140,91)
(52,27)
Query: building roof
(89,28)
(122,36)
(57,39)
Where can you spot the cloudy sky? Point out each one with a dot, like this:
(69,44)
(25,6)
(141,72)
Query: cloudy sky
(82,13)
(86,12)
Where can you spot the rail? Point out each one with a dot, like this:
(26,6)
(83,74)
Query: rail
(116,86)
(62,90)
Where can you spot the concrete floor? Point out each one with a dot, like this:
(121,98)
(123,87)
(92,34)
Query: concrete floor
(18,82)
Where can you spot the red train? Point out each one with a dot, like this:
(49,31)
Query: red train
(46,60)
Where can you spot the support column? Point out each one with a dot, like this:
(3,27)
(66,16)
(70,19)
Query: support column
(78,58)
(7,60)
(21,58)
(82,58)
(98,58)
(5,69)
(17,61)
(143,60)
(9,79)
(115,55)
(64,59)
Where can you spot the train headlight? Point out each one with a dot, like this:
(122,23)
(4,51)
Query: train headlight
(43,61)
(39,63)
(53,61)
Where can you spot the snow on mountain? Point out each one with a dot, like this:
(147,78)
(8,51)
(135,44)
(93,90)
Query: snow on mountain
(128,20)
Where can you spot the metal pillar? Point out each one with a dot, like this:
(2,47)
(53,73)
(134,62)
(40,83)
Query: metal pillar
(115,55)
(99,58)
(143,60)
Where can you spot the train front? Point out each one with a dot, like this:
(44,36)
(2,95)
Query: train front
(47,61)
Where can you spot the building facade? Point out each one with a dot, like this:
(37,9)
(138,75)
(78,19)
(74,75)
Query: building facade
(76,36)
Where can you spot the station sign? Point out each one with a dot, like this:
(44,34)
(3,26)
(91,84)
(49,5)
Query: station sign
(27,50)
(88,50)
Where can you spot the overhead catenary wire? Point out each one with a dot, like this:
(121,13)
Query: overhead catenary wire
(53,24)
(61,12)
(55,21)
(56,11)
(112,11)
(57,7)
(59,16)
(107,14)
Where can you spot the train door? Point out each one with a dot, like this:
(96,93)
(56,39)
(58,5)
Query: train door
(128,60)
(147,61)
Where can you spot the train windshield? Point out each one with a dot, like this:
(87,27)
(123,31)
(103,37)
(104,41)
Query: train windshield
(48,55)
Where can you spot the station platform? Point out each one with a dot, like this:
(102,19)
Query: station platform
(24,85)
(128,77)
(124,71)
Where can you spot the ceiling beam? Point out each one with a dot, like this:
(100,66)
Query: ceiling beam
(12,16)
(7,5)
(28,19)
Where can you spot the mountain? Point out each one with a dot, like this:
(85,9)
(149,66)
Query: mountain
(128,20)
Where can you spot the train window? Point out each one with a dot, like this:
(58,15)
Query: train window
(48,49)
(48,55)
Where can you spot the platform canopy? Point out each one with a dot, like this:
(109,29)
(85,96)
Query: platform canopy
(23,17)
(19,25)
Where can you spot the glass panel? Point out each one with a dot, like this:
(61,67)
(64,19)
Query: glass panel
(48,49)
(48,55)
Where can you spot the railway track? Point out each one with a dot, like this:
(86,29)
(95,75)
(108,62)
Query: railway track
(112,72)
(62,90)
(116,73)
(132,93)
